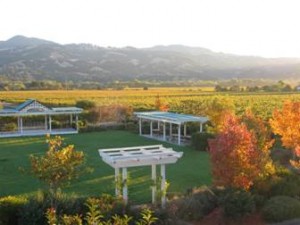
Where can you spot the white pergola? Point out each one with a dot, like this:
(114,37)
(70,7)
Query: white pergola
(165,118)
(31,108)
(153,155)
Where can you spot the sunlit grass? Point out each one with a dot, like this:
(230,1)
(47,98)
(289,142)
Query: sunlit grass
(190,171)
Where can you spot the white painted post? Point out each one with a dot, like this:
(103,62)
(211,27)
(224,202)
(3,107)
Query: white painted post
(153,176)
(163,185)
(50,124)
(201,127)
(77,128)
(164,134)
(46,126)
(117,174)
(125,190)
(140,125)
(179,134)
(184,130)
(21,125)
(151,128)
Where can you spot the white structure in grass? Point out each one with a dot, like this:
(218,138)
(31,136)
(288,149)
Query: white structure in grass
(122,158)
(165,118)
(33,109)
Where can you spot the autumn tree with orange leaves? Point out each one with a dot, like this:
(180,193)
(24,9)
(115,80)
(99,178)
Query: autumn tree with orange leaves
(237,156)
(264,141)
(159,105)
(286,123)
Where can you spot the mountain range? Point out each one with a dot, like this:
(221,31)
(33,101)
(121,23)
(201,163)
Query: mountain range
(23,58)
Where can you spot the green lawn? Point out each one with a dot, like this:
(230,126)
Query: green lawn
(190,171)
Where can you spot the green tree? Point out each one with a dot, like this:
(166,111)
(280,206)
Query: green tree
(216,110)
(58,166)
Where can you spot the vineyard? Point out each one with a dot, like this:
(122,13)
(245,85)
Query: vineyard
(261,179)
(183,100)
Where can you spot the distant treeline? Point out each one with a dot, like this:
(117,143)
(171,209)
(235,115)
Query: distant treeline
(280,86)
(15,85)
(233,85)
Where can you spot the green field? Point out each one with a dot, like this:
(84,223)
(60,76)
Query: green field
(190,171)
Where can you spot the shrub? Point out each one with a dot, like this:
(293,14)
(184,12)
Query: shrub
(10,127)
(284,182)
(55,124)
(259,200)
(9,209)
(236,203)
(91,128)
(194,206)
(33,212)
(200,141)
(132,127)
(281,208)
(85,104)
(94,216)
(110,113)
(108,205)
(287,186)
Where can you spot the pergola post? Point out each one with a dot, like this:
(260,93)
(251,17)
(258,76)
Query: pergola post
(71,119)
(153,177)
(179,134)
(18,124)
(21,125)
(151,128)
(77,128)
(163,185)
(164,131)
(117,177)
(125,189)
(184,129)
(201,127)
(140,126)
(50,124)
(46,125)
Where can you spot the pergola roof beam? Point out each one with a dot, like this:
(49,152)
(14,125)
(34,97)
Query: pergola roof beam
(140,155)
(168,117)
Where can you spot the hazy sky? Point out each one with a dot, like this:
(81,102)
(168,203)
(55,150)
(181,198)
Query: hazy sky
(254,27)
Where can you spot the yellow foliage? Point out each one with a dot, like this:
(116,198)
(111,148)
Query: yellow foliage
(286,123)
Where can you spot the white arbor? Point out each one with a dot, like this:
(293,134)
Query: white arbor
(152,155)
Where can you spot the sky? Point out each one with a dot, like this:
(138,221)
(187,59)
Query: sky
(269,28)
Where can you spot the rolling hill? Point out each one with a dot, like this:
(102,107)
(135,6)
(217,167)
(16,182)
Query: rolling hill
(23,58)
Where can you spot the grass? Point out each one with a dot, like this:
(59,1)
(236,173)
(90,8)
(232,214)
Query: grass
(190,171)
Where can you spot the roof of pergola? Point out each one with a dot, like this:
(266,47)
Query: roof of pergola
(33,107)
(139,156)
(170,117)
